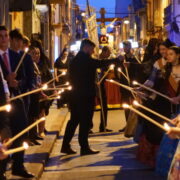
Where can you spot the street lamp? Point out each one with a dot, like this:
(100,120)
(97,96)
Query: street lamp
(42,8)
(112,26)
(126,21)
(83,14)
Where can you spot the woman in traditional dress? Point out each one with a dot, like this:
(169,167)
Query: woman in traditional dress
(151,135)
(174,172)
(44,65)
(174,57)
(168,146)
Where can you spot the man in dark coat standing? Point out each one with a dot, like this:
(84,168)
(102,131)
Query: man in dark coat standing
(82,75)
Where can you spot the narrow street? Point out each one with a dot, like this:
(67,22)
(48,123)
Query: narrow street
(117,159)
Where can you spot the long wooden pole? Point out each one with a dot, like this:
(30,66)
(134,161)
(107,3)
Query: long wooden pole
(145,117)
(151,111)
(152,90)
(23,132)
(21,60)
(28,93)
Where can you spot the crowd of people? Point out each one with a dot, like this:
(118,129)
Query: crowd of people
(158,69)
(32,74)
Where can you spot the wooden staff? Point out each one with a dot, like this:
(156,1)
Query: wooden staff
(127,73)
(62,85)
(53,98)
(111,67)
(15,150)
(23,131)
(101,102)
(174,129)
(119,69)
(122,85)
(144,116)
(151,111)
(51,89)
(53,79)
(30,92)
(137,59)
(152,90)
(6,107)
(21,60)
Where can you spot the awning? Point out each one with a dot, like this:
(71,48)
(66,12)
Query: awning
(20,5)
(61,2)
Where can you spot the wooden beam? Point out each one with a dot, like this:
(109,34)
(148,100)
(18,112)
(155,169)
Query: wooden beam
(108,19)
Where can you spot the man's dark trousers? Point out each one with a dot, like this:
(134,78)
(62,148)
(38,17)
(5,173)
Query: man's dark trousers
(82,109)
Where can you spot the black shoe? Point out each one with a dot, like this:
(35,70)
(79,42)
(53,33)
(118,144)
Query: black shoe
(88,152)
(122,130)
(45,131)
(35,142)
(91,132)
(2,177)
(67,150)
(22,172)
(30,143)
(38,138)
(107,130)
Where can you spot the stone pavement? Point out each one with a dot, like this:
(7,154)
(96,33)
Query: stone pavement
(116,161)
(36,156)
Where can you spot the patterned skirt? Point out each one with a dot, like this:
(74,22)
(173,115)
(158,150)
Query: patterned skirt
(147,152)
(165,155)
(174,173)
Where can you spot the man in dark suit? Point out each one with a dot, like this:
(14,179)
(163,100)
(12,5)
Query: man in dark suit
(28,81)
(130,71)
(82,74)
(17,117)
(4,128)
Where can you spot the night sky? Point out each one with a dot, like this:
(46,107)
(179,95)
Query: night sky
(109,5)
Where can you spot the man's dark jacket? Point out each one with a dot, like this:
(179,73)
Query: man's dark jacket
(82,74)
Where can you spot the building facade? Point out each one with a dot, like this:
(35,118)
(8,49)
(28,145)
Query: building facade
(157,18)
(51,21)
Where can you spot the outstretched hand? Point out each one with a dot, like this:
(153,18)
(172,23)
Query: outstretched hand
(2,150)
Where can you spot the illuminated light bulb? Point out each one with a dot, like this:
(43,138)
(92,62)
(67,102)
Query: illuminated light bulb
(135,83)
(26,49)
(166,126)
(67,83)
(58,97)
(62,90)
(69,88)
(43,119)
(8,107)
(125,106)
(64,73)
(25,145)
(83,14)
(112,66)
(119,69)
(135,103)
(45,86)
